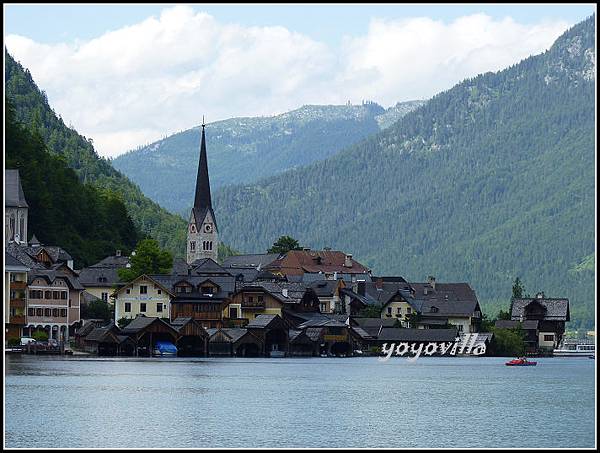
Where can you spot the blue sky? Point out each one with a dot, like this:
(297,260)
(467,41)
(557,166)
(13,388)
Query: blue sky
(57,23)
(127,75)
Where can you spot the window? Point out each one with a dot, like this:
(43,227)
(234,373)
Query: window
(548,337)
(192,246)
(128,291)
(55,312)
(31,312)
(48,295)
(207,290)
(63,312)
(399,310)
(39,312)
(46,312)
(389,310)
(159,291)
(105,297)
(250,299)
(260,299)
(143,307)
(408,310)
(143,289)
(209,245)
(63,295)
(323,307)
(233,312)
(159,307)
(127,307)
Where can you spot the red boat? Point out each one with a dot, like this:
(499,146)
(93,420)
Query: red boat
(521,362)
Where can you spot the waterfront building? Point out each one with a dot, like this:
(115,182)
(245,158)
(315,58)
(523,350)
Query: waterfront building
(273,332)
(15,296)
(16,209)
(101,279)
(550,314)
(53,302)
(330,295)
(239,342)
(203,232)
(145,331)
(192,339)
(144,295)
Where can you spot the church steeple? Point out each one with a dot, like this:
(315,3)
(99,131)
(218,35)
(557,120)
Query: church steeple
(202,237)
(202,199)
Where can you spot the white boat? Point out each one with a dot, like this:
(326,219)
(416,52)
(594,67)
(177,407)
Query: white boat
(575,348)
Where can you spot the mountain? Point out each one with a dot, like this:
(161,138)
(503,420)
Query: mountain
(32,109)
(242,150)
(487,181)
(89,223)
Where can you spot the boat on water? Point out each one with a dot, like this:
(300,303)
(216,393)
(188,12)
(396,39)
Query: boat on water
(521,362)
(575,348)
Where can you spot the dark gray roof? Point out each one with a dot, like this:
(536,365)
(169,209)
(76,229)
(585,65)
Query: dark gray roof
(226,284)
(51,275)
(207,266)
(180,267)
(323,321)
(509,324)
(324,288)
(86,328)
(99,276)
(113,261)
(13,264)
(261,321)
(26,254)
(295,291)
(398,334)
(374,322)
(101,335)
(556,309)
(13,191)
(140,323)
(255,261)
(235,333)
(363,333)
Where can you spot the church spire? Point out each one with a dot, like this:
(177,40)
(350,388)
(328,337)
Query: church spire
(202,199)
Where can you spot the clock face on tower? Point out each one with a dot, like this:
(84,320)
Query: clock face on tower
(208,228)
(192,228)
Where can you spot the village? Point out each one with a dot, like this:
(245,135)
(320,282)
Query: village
(298,303)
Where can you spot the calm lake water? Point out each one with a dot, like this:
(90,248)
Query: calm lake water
(312,402)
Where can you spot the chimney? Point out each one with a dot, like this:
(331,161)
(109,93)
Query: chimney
(379,283)
(118,252)
(431,281)
(348,260)
(335,275)
(284,291)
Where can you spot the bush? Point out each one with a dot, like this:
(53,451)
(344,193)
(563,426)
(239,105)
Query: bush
(507,342)
(40,335)
(14,342)
(123,322)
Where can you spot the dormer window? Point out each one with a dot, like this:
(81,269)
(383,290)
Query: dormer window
(434,310)
(207,290)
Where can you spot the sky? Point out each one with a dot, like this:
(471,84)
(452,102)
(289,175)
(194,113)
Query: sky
(128,75)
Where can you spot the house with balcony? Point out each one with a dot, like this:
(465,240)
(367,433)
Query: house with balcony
(15,296)
(101,279)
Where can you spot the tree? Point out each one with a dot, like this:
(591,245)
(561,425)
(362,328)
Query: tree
(40,335)
(148,258)
(505,315)
(284,244)
(123,322)
(518,289)
(96,309)
(507,342)
(372,311)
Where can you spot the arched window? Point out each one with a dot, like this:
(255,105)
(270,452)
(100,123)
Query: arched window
(12,227)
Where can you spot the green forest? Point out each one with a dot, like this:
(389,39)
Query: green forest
(489,180)
(89,223)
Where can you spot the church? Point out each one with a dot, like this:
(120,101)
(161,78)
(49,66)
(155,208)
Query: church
(202,234)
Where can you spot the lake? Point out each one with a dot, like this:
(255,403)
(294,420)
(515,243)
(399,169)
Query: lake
(298,402)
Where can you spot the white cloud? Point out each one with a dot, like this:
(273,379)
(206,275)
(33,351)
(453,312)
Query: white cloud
(134,85)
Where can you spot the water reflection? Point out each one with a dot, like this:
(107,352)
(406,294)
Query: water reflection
(354,402)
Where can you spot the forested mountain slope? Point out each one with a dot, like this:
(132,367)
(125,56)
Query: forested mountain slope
(489,180)
(89,223)
(242,150)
